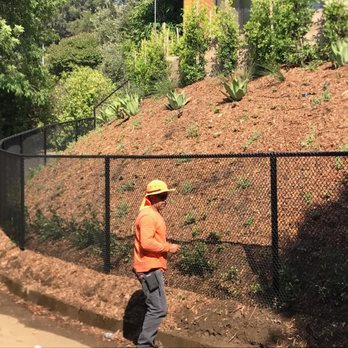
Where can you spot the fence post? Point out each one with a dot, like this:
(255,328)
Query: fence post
(76,130)
(274,218)
(21,144)
(106,246)
(94,118)
(45,144)
(21,231)
(21,237)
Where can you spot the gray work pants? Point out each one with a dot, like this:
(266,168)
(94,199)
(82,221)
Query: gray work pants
(156,310)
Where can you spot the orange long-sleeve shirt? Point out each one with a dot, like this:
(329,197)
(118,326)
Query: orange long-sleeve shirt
(150,244)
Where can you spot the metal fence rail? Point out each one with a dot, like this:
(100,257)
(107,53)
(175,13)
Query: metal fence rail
(246,222)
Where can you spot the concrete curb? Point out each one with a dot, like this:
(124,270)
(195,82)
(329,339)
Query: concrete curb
(95,319)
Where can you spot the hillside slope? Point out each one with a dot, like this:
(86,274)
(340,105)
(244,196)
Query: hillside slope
(284,114)
(224,202)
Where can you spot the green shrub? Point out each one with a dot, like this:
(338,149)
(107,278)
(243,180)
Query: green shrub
(290,286)
(49,228)
(231,275)
(186,187)
(146,64)
(79,50)
(129,105)
(276,29)
(123,250)
(256,288)
(236,90)
(244,183)
(194,260)
(122,210)
(120,108)
(128,186)
(192,130)
(162,87)
(87,233)
(335,24)
(113,61)
(190,218)
(229,282)
(111,111)
(193,45)
(265,69)
(176,100)
(248,222)
(226,32)
(182,160)
(339,55)
(195,231)
(214,237)
(77,93)
(254,137)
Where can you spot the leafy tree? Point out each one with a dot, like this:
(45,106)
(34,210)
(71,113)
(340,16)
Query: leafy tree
(140,21)
(11,80)
(276,29)
(226,31)
(147,65)
(25,83)
(76,16)
(79,50)
(109,26)
(113,62)
(193,45)
(335,26)
(77,93)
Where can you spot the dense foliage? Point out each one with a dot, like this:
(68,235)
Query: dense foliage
(147,65)
(76,16)
(193,45)
(79,50)
(276,30)
(24,81)
(125,40)
(335,26)
(141,20)
(78,92)
(226,31)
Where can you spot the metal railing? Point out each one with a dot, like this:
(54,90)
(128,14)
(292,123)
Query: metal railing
(104,100)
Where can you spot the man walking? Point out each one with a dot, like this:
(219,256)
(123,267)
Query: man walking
(150,258)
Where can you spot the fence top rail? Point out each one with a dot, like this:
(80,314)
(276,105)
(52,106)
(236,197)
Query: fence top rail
(164,156)
(195,156)
(38,129)
(69,122)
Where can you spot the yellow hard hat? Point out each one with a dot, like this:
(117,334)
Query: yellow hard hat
(155,187)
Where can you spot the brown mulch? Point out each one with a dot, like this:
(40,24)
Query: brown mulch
(274,116)
(190,314)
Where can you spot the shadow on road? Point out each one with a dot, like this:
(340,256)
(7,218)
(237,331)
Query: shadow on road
(134,316)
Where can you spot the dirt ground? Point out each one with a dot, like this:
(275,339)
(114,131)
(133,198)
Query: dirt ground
(305,112)
(24,324)
(193,315)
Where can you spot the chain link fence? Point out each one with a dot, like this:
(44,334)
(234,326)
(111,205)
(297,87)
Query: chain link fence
(255,227)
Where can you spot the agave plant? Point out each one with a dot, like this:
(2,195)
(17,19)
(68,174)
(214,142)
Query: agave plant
(129,105)
(176,100)
(236,90)
(110,112)
(339,52)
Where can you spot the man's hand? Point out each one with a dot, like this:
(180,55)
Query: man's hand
(174,248)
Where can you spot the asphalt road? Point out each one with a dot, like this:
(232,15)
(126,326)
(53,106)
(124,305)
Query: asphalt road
(19,327)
